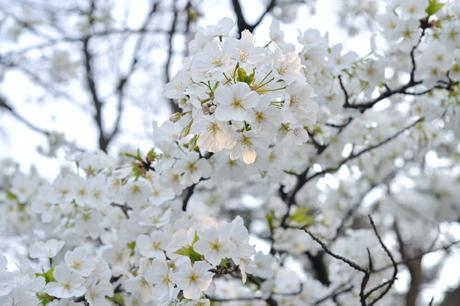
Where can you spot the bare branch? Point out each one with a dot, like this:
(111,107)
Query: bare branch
(124,208)
(242,24)
(91,83)
(326,249)
(79,39)
(335,293)
(420,255)
(363,151)
(390,282)
(172,31)
(4,105)
(124,79)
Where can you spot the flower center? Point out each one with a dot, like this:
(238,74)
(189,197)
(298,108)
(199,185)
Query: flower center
(215,246)
(193,278)
(260,117)
(236,103)
(213,128)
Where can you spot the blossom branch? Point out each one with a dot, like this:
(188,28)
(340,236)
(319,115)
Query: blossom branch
(363,151)
(412,82)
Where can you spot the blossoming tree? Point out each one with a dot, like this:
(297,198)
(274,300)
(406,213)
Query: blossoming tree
(288,176)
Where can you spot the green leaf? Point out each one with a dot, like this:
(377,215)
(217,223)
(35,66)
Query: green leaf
(44,298)
(191,253)
(117,298)
(138,170)
(433,7)
(131,245)
(251,77)
(11,196)
(246,126)
(195,238)
(302,216)
(138,154)
(21,207)
(130,155)
(186,130)
(241,75)
(48,275)
(151,155)
(192,145)
(270,220)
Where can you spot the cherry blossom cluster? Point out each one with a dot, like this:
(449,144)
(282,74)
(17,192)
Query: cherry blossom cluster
(242,98)
(94,249)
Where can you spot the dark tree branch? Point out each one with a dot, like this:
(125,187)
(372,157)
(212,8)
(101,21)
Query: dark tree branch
(302,178)
(319,267)
(289,199)
(124,208)
(186,195)
(363,293)
(403,89)
(172,31)
(390,282)
(91,83)
(326,249)
(4,105)
(188,192)
(241,22)
(363,151)
(318,146)
(339,291)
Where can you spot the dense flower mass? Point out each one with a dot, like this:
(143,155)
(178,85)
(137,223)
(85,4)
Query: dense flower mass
(241,98)
(228,207)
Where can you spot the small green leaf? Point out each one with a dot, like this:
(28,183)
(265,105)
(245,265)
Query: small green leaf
(131,245)
(241,75)
(192,145)
(270,220)
(11,196)
(138,170)
(48,275)
(44,298)
(117,298)
(130,155)
(251,77)
(21,207)
(151,155)
(186,130)
(302,216)
(246,126)
(138,154)
(433,7)
(195,238)
(191,253)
